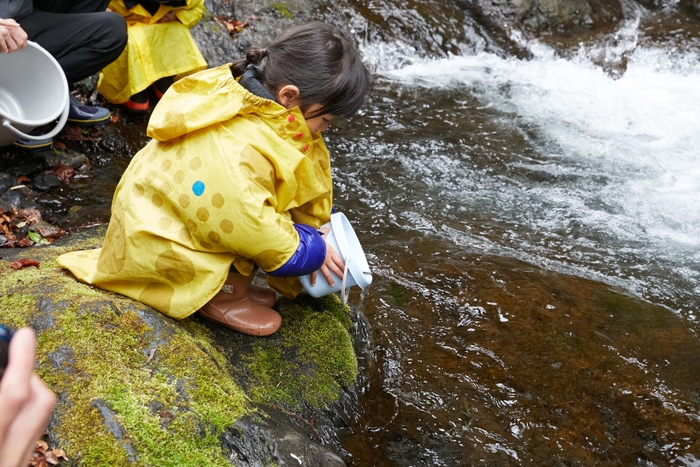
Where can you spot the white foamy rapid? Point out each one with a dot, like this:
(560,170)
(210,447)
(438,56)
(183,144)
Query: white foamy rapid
(639,131)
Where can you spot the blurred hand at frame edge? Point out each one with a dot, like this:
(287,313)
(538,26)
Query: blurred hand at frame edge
(25,402)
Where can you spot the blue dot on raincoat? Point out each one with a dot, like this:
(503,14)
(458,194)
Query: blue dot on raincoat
(198,188)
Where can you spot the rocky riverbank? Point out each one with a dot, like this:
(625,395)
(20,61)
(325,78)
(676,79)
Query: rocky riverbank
(138,388)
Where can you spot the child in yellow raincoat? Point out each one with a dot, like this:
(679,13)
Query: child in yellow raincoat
(237,176)
(160,48)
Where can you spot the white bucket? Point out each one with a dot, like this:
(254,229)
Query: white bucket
(33,93)
(343,239)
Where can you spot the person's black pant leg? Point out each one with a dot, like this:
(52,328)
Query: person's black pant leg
(82,43)
(71,6)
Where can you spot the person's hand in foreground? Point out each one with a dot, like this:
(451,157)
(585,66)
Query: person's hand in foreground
(333,262)
(25,402)
(12,36)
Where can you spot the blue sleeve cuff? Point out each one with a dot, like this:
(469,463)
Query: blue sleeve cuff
(309,256)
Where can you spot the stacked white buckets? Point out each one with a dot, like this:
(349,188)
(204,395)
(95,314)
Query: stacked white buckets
(344,241)
(33,93)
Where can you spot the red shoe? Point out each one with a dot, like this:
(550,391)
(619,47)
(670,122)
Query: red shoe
(162,85)
(138,103)
(159,95)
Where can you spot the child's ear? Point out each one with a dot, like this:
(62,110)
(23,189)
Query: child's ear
(288,96)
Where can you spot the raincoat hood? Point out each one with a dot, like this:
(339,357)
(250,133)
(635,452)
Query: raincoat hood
(216,99)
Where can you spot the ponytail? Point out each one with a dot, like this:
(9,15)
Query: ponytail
(319,60)
(252,57)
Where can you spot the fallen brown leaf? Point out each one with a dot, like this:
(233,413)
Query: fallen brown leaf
(232,25)
(45,457)
(64,173)
(30,215)
(47,230)
(75,133)
(51,458)
(24,263)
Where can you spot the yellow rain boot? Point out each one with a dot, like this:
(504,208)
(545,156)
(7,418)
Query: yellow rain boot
(235,308)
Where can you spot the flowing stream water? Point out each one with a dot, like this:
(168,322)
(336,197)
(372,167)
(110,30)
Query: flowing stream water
(534,231)
(533,227)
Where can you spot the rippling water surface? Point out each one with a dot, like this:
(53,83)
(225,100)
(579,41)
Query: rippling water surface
(534,230)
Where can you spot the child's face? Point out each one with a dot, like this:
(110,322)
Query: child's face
(319,122)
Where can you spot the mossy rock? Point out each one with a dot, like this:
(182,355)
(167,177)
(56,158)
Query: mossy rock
(138,388)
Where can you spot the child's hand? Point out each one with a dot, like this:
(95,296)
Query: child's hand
(333,262)
(168,18)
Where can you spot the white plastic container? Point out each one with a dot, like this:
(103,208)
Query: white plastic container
(33,93)
(343,239)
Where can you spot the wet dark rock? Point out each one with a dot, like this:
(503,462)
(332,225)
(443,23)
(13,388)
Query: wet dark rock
(12,198)
(45,181)
(254,442)
(44,319)
(26,169)
(67,158)
(7,181)
(115,428)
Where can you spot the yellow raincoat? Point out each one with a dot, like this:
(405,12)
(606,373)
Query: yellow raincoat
(224,179)
(154,51)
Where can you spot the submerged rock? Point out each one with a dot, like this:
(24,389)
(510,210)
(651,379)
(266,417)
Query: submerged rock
(136,387)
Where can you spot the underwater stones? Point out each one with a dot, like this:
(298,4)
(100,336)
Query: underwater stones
(253,442)
(66,158)
(45,181)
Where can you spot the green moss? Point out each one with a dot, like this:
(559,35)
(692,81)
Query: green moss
(198,399)
(172,408)
(632,314)
(310,362)
(282,9)
(399,294)
(20,302)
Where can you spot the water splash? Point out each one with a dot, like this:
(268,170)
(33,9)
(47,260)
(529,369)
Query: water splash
(614,176)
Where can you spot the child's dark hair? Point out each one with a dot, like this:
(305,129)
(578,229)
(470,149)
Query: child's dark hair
(320,61)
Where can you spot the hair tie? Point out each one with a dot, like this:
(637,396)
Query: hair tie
(263,52)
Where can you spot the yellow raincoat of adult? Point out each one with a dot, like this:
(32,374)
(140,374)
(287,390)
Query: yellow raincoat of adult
(224,179)
(154,51)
